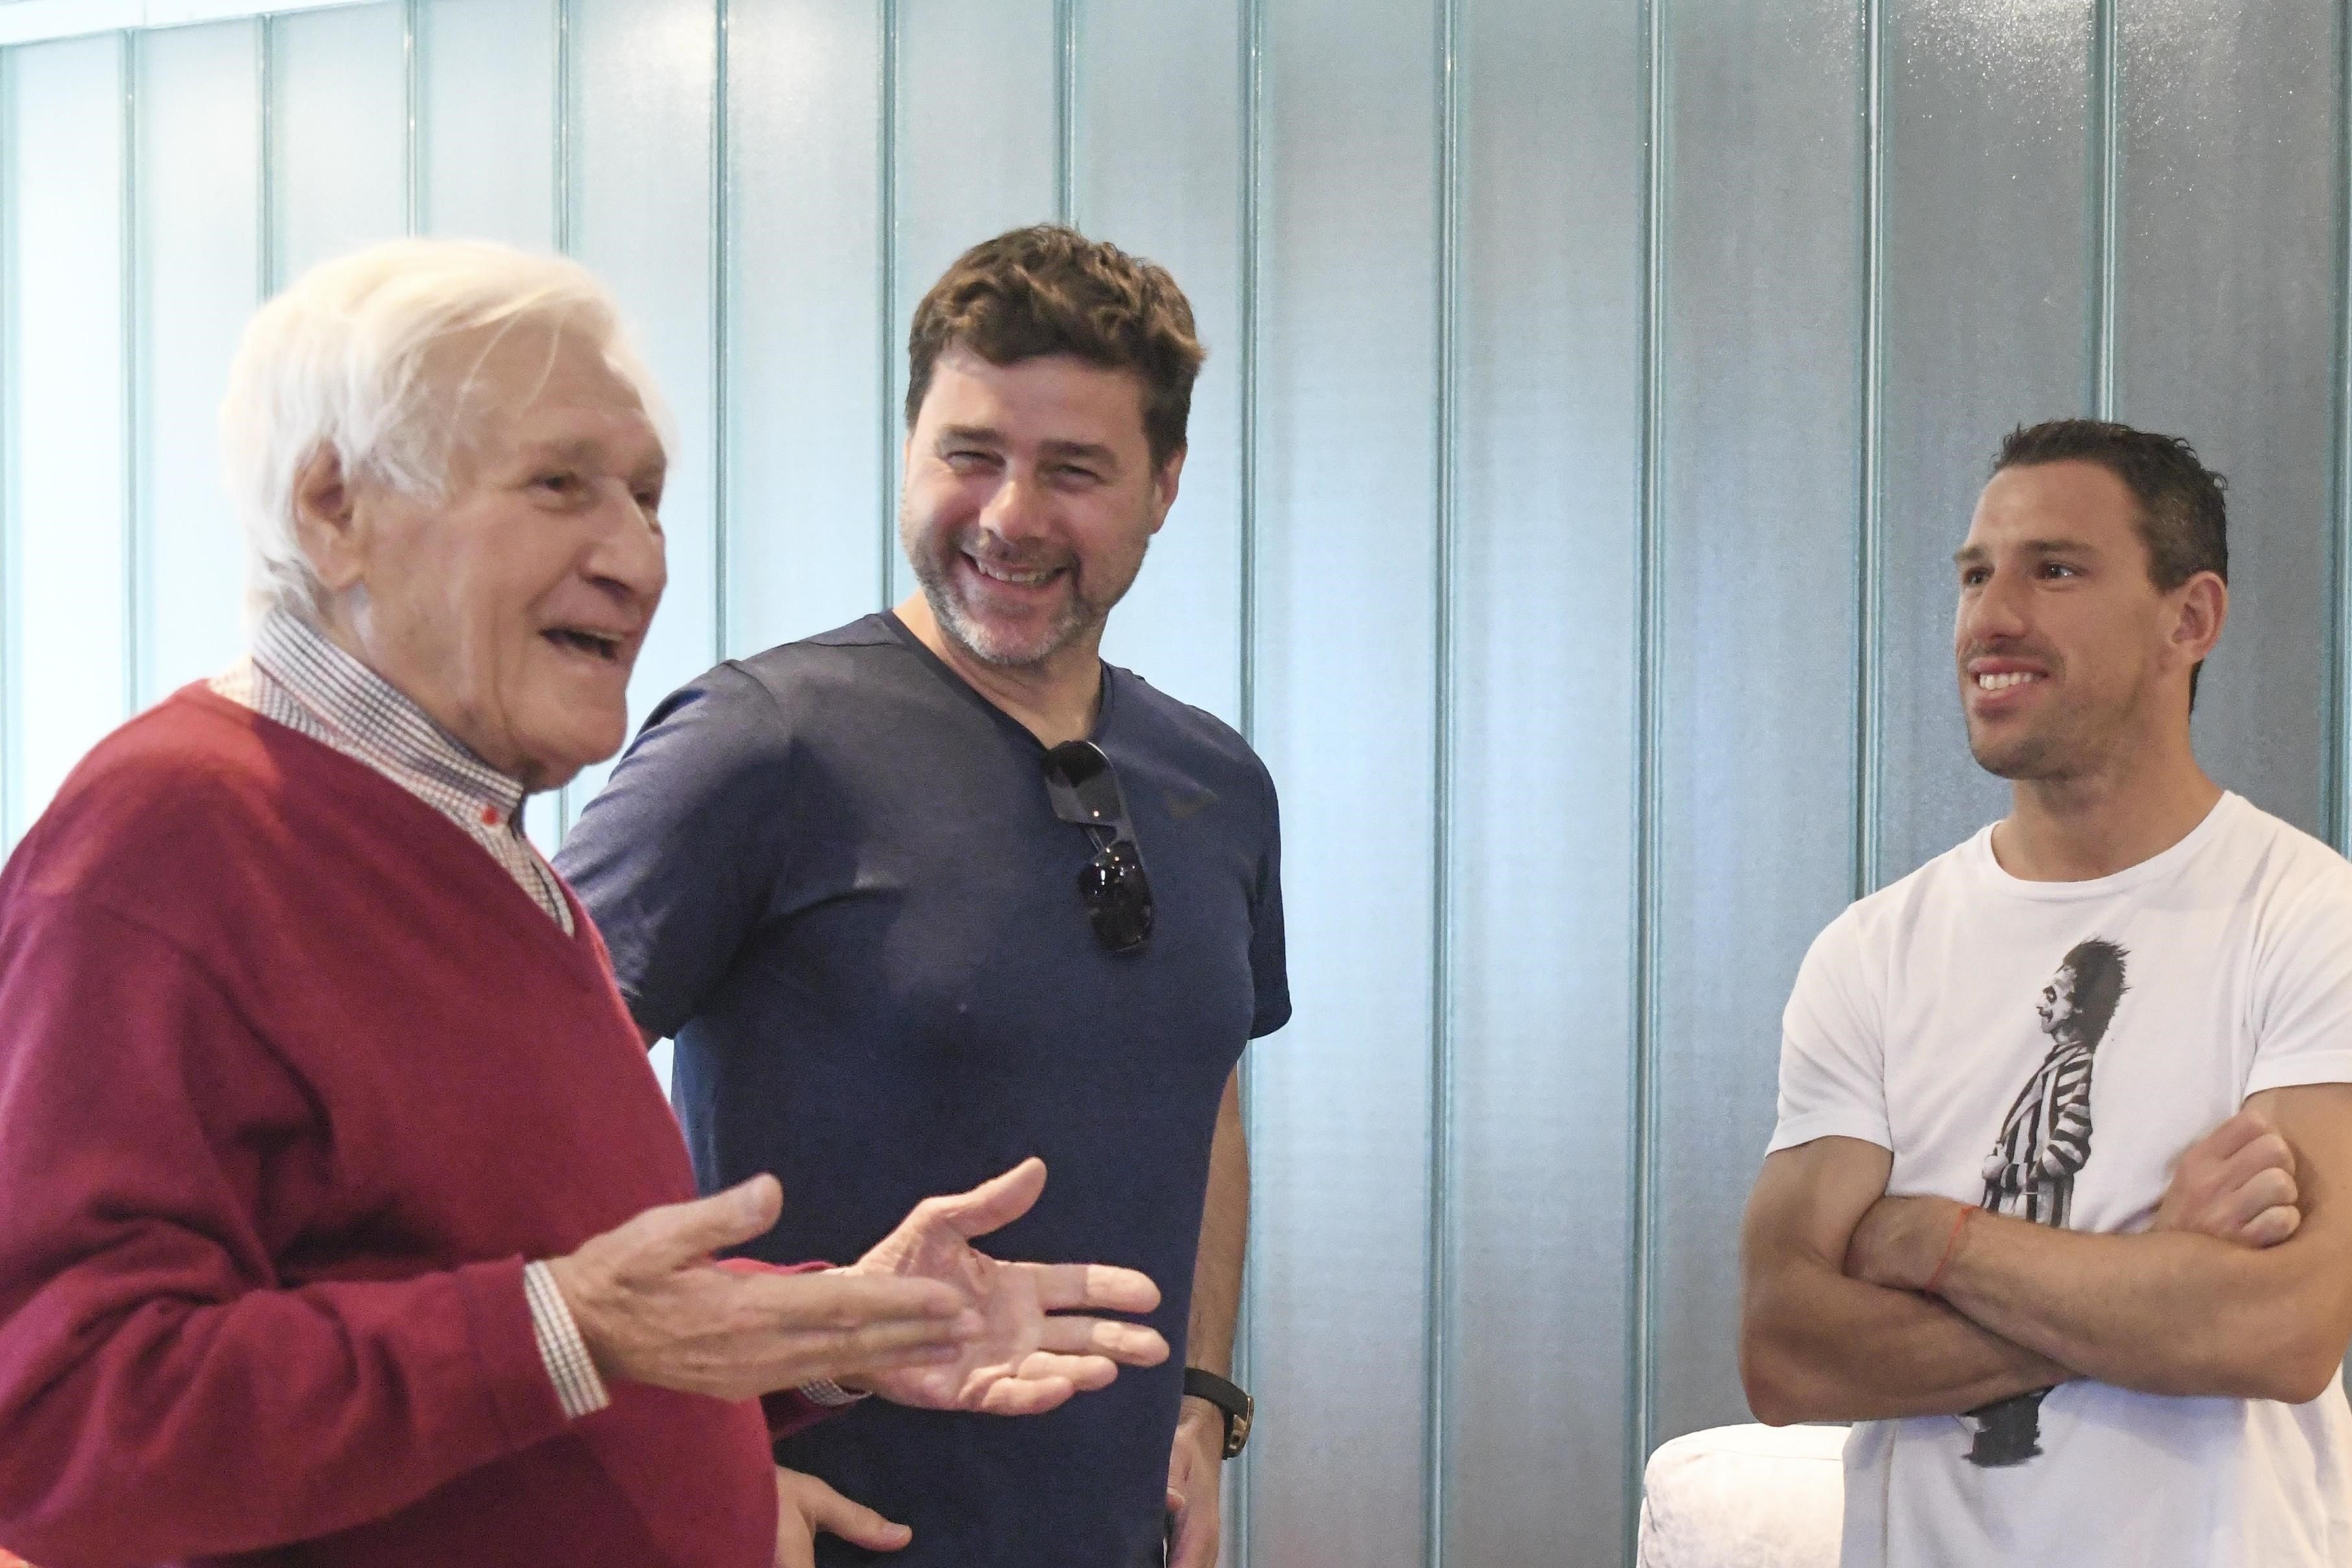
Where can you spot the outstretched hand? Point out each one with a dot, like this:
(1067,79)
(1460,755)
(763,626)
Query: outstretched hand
(1026,1359)
(651,1306)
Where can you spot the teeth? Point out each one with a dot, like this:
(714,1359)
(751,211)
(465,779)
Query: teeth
(1009,575)
(2003,682)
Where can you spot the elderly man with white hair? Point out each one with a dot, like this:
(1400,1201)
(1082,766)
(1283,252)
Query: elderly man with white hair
(345,1222)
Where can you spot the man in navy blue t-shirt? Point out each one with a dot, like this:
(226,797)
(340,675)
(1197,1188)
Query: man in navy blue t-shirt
(939,890)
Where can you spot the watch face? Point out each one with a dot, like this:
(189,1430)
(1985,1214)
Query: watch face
(1237,1430)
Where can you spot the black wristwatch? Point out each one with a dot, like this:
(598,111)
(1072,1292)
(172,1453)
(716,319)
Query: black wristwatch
(1228,1397)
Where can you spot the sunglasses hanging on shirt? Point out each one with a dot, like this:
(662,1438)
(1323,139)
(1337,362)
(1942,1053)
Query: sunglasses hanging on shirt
(1118,895)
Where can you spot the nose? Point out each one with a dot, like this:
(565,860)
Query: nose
(1995,613)
(1018,509)
(628,558)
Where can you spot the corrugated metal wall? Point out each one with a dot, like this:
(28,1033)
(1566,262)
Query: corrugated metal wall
(1597,392)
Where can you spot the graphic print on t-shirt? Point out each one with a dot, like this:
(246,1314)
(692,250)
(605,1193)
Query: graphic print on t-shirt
(2044,1140)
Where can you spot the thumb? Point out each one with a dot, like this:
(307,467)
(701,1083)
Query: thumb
(997,1202)
(828,1511)
(676,1235)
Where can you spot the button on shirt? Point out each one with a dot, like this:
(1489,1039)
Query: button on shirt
(298,678)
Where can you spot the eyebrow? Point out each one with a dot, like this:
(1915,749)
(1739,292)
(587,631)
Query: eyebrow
(986,435)
(1977,554)
(586,450)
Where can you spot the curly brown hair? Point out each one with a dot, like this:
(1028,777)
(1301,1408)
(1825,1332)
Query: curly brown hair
(1049,290)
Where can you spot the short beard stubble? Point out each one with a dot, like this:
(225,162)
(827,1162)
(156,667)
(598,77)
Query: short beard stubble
(936,578)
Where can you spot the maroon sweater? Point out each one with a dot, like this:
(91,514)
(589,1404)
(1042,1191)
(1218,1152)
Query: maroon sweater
(293,1079)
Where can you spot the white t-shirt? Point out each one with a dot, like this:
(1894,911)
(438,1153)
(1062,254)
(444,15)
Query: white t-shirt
(2051,1049)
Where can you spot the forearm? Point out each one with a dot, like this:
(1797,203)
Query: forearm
(2163,1313)
(1225,1240)
(1817,1346)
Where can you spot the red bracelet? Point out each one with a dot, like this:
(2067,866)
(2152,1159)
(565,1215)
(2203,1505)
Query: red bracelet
(1951,1244)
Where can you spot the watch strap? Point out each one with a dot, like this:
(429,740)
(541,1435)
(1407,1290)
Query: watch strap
(1238,1407)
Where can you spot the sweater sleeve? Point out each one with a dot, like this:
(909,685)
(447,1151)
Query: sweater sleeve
(163,1391)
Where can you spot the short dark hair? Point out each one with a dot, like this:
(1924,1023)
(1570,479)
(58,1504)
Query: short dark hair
(1049,290)
(2098,965)
(2183,520)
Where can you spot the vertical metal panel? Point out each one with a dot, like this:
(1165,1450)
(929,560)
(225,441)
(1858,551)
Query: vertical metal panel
(1987,138)
(1158,173)
(2339,714)
(11,645)
(805,211)
(1344,697)
(488,116)
(977,146)
(488,109)
(1762,321)
(1541,822)
(339,133)
(643,85)
(64,334)
(198,180)
(2226,271)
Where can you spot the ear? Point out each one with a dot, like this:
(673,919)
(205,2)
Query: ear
(2201,606)
(1163,486)
(327,523)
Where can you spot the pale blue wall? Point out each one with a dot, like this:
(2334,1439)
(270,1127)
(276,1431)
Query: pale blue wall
(1598,390)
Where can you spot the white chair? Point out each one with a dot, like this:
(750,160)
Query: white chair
(1745,1497)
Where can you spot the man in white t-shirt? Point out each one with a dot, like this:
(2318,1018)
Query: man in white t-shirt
(1998,1225)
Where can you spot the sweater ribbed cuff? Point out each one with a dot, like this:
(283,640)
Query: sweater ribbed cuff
(578,1388)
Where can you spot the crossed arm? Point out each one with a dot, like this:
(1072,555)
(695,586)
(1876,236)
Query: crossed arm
(2243,1287)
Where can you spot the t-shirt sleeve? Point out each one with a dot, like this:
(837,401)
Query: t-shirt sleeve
(1269,963)
(1832,1053)
(2302,997)
(675,859)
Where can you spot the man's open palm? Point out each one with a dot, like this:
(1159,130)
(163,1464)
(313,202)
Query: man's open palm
(1026,1360)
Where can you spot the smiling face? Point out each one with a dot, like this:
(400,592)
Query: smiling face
(2068,653)
(512,612)
(1030,500)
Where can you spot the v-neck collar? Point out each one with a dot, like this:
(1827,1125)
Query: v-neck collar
(502,897)
(946,672)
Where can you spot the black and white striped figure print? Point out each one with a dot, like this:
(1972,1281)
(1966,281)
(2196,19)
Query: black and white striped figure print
(2044,1141)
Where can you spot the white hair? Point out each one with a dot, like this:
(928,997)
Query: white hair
(339,361)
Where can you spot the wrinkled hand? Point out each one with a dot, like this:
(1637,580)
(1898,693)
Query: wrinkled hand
(653,1307)
(1196,1471)
(806,1506)
(2236,1184)
(1900,1241)
(1023,1362)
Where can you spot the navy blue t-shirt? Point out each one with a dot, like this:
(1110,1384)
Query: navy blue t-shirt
(833,873)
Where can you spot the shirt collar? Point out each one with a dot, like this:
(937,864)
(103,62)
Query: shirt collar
(378,721)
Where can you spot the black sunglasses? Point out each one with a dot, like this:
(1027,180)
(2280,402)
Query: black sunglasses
(1118,895)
